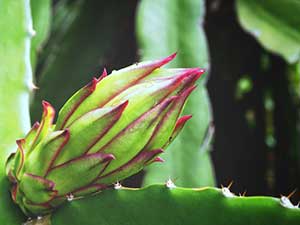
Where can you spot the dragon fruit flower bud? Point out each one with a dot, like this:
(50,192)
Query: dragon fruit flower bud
(107,131)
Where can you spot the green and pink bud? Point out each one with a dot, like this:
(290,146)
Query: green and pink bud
(107,131)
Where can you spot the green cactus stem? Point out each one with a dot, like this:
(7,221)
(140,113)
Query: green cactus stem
(16,85)
(168,204)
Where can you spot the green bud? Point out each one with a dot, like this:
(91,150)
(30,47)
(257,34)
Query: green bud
(107,131)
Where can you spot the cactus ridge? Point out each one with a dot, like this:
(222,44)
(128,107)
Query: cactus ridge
(168,204)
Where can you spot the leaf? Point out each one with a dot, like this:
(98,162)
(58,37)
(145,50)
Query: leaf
(15,85)
(275,24)
(159,205)
(164,27)
(41,16)
(84,39)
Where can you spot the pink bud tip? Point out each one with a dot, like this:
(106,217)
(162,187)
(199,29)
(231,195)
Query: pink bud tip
(108,158)
(46,104)
(47,108)
(93,84)
(66,134)
(20,142)
(166,60)
(183,119)
(159,159)
(14,192)
(104,73)
(201,70)
(35,125)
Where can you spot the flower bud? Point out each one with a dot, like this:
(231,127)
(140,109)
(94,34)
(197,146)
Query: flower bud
(108,130)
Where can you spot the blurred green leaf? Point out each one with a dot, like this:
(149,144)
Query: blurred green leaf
(164,27)
(15,85)
(275,24)
(84,38)
(244,86)
(41,16)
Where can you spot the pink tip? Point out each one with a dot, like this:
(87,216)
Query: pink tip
(20,143)
(166,60)
(66,134)
(108,158)
(46,104)
(47,108)
(201,70)
(14,191)
(159,159)
(35,125)
(93,84)
(104,73)
(120,108)
(182,120)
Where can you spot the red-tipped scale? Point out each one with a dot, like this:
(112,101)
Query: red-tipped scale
(108,130)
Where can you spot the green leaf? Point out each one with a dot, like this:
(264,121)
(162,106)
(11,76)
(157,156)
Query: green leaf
(41,16)
(164,27)
(84,39)
(159,205)
(275,24)
(15,85)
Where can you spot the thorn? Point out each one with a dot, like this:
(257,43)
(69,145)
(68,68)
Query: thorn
(31,32)
(244,193)
(117,186)
(285,202)
(292,193)
(230,184)
(32,86)
(227,193)
(170,184)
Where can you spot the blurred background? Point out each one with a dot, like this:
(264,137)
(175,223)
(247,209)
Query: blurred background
(245,126)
